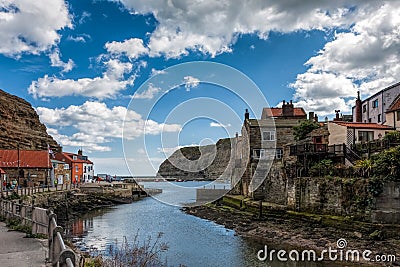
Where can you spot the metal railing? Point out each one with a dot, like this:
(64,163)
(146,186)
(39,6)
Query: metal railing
(42,221)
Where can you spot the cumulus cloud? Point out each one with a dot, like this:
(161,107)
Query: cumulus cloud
(132,48)
(364,58)
(31,27)
(190,82)
(57,62)
(211,27)
(96,124)
(149,93)
(108,85)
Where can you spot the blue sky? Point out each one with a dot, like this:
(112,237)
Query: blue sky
(80,64)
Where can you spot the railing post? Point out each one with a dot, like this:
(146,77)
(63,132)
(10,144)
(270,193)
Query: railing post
(64,256)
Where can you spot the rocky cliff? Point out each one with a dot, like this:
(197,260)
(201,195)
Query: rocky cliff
(220,166)
(19,123)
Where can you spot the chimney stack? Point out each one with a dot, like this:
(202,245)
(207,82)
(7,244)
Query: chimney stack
(311,115)
(358,117)
(80,152)
(287,109)
(246,115)
(337,118)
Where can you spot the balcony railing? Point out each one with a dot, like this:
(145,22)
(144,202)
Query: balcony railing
(311,148)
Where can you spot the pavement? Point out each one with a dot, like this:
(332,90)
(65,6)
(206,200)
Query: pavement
(17,250)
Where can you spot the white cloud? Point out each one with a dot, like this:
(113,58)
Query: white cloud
(149,93)
(96,124)
(190,82)
(31,26)
(86,145)
(132,48)
(215,124)
(85,15)
(364,58)
(57,62)
(157,72)
(80,38)
(211,27)
(108,85)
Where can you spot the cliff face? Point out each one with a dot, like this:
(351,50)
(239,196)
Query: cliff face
(19,123)
(220,166)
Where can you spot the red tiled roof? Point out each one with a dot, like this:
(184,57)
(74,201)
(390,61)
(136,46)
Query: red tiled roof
(78,160)
(277,112)
(27,159)
(361,125)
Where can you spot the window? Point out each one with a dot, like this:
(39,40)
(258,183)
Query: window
(74,157)
(364,108)
(379,117)
(398,115)
(84,169)
(318,139)
(258,153)
(375,103)
(279,153)
(76,168)
(268,136)
(365,136)
(369,120)
(66,166)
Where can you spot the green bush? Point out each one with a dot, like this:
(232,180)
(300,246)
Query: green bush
(305,127)
(386,165)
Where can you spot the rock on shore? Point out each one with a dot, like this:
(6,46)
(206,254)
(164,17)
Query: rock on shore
(282,231)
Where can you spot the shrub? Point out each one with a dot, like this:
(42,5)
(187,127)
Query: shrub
(305,127)
(149,253)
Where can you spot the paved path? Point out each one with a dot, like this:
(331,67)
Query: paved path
(16,250)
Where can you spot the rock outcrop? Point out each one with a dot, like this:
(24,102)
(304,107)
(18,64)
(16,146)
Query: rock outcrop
(20,124)
(220,167)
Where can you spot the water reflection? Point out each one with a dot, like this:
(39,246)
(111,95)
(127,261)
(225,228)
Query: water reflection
(192,241)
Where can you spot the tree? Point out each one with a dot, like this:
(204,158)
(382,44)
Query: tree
(386,164)
(392,137)
(305,127)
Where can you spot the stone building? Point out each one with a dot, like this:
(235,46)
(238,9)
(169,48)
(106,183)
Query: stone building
(262,147)
(61,172)
(27,167)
